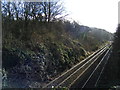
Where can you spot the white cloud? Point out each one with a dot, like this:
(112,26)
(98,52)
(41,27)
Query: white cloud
(94,13)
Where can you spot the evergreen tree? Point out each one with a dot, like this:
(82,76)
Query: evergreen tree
(116,44)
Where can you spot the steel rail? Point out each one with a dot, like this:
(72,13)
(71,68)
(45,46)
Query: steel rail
(60,81)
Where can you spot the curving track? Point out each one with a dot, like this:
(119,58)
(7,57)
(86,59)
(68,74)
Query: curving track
(85,74)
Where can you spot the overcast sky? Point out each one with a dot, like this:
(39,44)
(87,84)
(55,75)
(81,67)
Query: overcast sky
(94,13)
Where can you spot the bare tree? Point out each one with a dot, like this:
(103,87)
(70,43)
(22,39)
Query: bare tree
(51,10)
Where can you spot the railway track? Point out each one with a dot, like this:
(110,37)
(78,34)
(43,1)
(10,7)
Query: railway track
(84,74)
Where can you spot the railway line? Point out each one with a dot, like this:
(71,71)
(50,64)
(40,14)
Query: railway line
(85,74)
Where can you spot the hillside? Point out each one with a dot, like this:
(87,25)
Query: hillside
(36,56)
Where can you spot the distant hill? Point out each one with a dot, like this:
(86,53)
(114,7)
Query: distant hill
(101,34)
(88,35)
